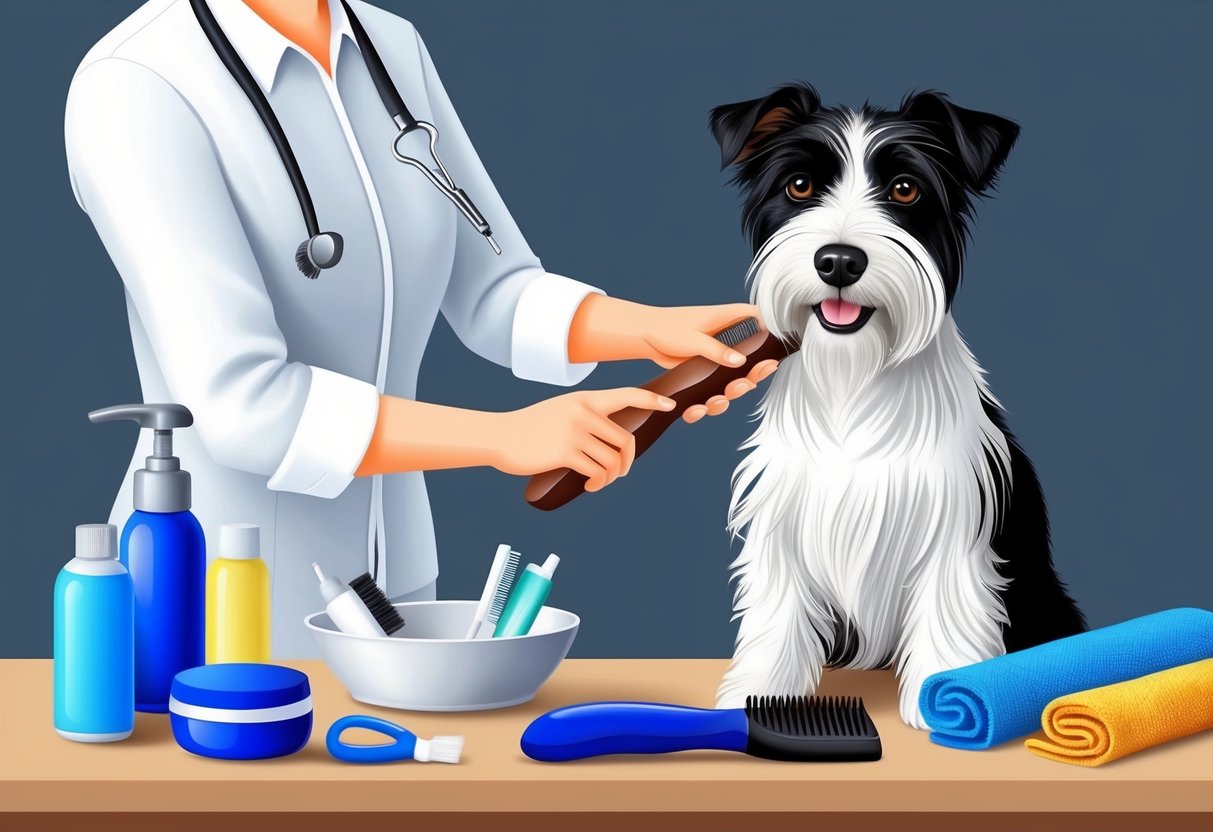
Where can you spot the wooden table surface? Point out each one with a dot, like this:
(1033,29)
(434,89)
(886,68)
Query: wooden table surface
(149,774)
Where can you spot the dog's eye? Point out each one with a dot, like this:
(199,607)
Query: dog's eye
(904,191)
(800,187)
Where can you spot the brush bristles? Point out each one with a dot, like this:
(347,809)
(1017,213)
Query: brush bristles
(738,332)
(378,604)
(438,750)
(304,261)
(508,573)
(811,716)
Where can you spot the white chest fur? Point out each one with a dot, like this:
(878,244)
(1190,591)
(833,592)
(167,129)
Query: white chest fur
(858,506)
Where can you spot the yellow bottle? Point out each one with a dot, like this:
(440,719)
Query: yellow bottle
(238,598)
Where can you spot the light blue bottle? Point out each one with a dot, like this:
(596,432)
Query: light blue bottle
(527,599)
(94,641)
(164,549)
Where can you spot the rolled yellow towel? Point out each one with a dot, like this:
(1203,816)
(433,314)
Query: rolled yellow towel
(1096,726)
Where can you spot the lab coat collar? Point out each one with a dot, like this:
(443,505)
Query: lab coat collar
(262,47)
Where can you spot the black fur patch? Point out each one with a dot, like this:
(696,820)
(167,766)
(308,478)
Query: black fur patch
(1038,606)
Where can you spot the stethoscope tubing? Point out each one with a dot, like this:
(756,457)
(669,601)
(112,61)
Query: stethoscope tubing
(248,85)
(323,250)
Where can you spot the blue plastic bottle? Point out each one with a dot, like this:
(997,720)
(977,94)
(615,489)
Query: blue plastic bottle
(164,550)
(94,641)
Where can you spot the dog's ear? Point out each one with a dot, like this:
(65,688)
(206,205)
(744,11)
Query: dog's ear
(981,141)
(740,129)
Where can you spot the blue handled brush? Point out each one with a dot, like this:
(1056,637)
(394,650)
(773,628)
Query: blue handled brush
(795,728)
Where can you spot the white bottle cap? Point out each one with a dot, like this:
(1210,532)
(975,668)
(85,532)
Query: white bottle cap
(549,566)
(96,541)
(239,541)
(330,587)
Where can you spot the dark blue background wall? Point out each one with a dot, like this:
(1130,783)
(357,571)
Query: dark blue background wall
(1088,297)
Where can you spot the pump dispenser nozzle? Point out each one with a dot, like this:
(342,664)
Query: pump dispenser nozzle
(161,486)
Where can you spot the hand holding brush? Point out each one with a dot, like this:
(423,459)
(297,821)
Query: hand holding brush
(572,430)
(689,385)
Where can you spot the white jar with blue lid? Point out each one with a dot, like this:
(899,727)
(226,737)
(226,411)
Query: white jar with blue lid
(241,711)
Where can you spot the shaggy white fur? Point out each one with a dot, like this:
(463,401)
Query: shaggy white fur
(874,481)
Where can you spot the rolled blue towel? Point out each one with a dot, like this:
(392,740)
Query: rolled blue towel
(990,702)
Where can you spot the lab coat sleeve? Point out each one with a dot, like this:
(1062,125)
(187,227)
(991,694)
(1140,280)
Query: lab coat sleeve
(144,169)
(505,307)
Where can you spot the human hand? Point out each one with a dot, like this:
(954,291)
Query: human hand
(571,431)
(734,390)
(609,329)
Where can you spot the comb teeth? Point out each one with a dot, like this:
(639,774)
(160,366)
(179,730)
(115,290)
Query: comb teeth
(504,584)
(738,332)
(811,716)
(378,604)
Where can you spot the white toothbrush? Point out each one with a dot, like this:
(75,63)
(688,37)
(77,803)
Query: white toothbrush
(496,589)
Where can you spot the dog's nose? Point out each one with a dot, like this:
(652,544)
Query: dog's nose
(840,265)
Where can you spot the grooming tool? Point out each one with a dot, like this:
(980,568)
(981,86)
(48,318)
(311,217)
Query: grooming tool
(323,249)
(496,589)
(345,609)
(690,383)
(793,728)
(241,711)
(164,549)
(527,599)
(988,703)
(94,687)
(405,745)
(377,603)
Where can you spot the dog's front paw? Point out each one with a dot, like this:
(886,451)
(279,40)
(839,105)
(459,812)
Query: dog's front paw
(912,716)
(910,713)
(729,701)
(730,695)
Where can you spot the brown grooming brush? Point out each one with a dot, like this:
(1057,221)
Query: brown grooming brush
(690,383)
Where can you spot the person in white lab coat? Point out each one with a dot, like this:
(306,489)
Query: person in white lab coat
(304,391)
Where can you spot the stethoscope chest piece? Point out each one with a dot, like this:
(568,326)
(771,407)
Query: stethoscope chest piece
(322,251)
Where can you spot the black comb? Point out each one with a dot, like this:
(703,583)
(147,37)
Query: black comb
(833,729)
(378,604)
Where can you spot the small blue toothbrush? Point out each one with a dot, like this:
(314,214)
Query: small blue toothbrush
(405,745)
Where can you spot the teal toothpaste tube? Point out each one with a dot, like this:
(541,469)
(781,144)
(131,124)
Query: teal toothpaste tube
(527,599)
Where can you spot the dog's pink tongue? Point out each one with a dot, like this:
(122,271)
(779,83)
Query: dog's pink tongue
(840,312)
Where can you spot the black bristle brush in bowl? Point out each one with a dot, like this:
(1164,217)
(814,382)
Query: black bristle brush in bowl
(377,603)
(827,729)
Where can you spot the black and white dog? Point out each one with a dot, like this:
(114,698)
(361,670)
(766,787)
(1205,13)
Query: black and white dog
(889,517)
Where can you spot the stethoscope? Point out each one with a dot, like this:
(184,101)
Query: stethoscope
(322,250)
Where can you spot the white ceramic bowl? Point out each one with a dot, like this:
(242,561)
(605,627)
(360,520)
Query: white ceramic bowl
(429,666)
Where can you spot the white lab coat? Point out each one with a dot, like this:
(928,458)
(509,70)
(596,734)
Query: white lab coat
(282,373)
